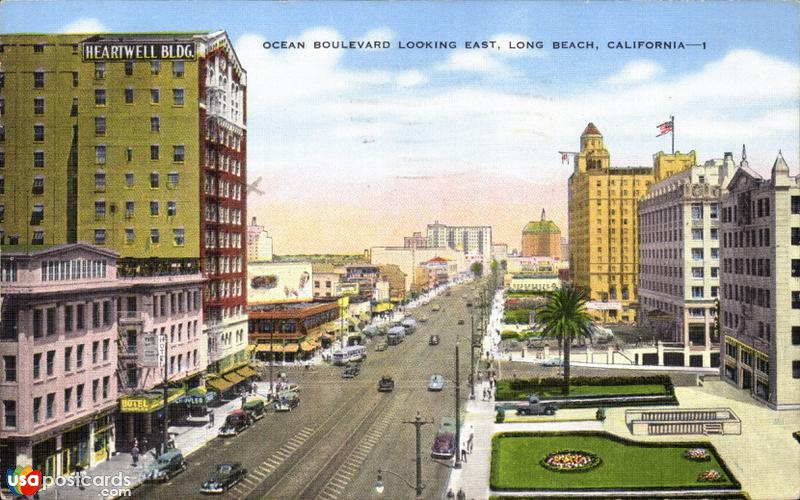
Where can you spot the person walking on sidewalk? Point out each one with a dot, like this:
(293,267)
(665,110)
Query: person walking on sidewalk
(464,455)
(135,454)
(211,418)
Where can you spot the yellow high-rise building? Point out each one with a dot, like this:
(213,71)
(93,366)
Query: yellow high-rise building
(603,224)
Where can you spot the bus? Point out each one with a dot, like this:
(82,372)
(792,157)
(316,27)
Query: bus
(444,444)
(348,354)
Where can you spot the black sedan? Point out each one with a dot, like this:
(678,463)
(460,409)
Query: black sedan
(224,477)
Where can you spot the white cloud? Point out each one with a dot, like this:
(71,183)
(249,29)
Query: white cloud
(503,40)
(85,25)
(635,72)
(411,78)
(383,34)
(475,61)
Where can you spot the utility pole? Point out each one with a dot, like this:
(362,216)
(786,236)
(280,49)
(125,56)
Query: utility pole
(165,436)
(418,423)
(271,362)
(472,356)
(457,464)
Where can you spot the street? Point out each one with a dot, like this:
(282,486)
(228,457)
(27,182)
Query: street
(343,431)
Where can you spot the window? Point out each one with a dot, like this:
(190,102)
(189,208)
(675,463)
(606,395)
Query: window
(79,397)
(177,97)
(172,208)
(106,381)
(697,253)
(75,79)
(154,236)
(37,366)
(155,96)
(697,211)
(155,67)
(128,96)
(128,68)
(154,153)
(2,133)
(697,272)
(38,159)
(100,236)
(106,343)
(95,349)
(178,153)
(795,370)
(172,180)
(67,399)
(99,70)
(715,253)
(37,409)
(129,235)
(154,180)
(697,234)
(38,214)
(177,69)
(38,132)
(795,300)
(153,208)
(714,233)
(2,159)
(79,316)
(795,268)
(100,181)
(99,210)
(95,384)
(50,407)
(796,205)
(100,154)
(10,410)
(79,357)
(51,363)
(130,154)
(178,234)
(38,79)
(38,185)
(68,359)
(714,291)
(795,236)
(99,97)
(99,125)
(38,237)
(129,209)
(155,124)
(697,292)
(38,105)
(715,272)
(129,179)
(10,368)
(714,210)
(2,106)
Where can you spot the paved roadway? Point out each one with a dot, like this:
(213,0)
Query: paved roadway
(333,444)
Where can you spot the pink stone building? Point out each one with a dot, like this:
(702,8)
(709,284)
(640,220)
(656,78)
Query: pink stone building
(68,352)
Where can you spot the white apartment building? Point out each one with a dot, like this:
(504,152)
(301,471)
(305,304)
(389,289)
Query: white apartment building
(680,261)
(259,242)
(467,239)
(760,285)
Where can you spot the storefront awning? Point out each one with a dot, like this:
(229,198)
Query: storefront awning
(247,372)
(382,307)
(233,377)
(219,384)
(291,348)
(266,348)
(148,403)
(307,346)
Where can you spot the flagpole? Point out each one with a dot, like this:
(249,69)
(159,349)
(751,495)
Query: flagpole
(672,120)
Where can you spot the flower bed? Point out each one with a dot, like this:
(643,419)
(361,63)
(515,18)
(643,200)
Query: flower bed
(570,461)
(710,476)
(697,455)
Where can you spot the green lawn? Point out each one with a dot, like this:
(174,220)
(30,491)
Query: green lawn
(515,464)
(506,393)
(517,316)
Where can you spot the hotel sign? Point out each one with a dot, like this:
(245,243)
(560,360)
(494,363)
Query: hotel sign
(109,51)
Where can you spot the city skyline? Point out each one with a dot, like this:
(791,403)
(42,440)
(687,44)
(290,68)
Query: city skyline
(365,158)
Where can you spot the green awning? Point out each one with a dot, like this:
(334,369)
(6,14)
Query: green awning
(219,384)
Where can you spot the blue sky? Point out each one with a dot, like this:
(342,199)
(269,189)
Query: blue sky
(360,130)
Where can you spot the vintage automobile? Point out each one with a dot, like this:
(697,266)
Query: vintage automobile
(167,465)
(436,383)
(256,408)
(381,345)
(287,401)
(224,477)
(386,384)
(436,308)
(423,319)
(351,371)
(235,422)
(433,340)
(533,406)
(552,362)
(461,322)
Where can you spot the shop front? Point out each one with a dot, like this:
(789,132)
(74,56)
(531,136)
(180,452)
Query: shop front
(141,418)
(75,449)
(103,438)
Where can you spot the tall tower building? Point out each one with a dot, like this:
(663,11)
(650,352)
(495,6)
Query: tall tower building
(135,143)
(541,238)
(603,225)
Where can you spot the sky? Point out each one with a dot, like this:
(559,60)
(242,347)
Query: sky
(357,148)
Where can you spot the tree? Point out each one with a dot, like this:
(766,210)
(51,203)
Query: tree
(476,268)
(565,317)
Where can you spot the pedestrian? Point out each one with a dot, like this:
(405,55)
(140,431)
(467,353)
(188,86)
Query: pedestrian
(461,495)
(464,455)
(211,418)
(135,455)
(244,400)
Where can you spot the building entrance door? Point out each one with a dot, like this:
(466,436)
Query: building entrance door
(747,379)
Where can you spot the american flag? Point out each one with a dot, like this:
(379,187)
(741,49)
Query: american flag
(664,128)
(564,158)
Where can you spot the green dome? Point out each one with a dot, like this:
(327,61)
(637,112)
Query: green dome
(541,226)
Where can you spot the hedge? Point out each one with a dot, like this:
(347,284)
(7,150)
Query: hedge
(516,389)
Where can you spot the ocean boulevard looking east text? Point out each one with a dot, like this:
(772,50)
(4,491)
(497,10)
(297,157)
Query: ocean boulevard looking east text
(515,45)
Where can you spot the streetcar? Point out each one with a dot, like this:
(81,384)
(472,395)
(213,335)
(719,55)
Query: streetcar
(348,354)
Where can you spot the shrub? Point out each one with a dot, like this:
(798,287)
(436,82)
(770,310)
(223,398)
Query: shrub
(501,416)
(600,415)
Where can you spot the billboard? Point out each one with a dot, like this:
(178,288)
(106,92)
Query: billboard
(340,288)
(277,282)
(150,354)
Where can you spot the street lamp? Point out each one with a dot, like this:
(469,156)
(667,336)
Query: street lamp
(472,356)
(457,464)
(419,486)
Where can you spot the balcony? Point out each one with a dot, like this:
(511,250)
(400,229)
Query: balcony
(131,317)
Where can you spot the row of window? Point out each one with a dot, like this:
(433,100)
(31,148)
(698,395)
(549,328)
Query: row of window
(224,215)
(10,362)
(223,289)
(222,188)
(178,69)
(74,269)
(761,297)
(10,406)
(178,96)
(178,302)
(178,236)
(222,239)
(748,267)
(178,153)
(223,264)
(746,238)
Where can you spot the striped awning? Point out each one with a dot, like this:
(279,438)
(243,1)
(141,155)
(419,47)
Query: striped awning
(233,377)
(307,346)
(266,348)
(382,307)
(247,372)
(219,384)
(291,348)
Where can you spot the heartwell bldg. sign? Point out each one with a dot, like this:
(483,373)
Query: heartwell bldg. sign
(124,51)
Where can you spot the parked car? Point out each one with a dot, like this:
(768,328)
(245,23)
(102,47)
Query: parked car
(433,340)
(469,304)
(436,308)
(287,401)
(235,422)
(552,362)
(532,406)
(381,345)
(386,384)
(461,322)
(351,371)
(167,465)
(423,319)
(256,408)
(436,383)
(224,477)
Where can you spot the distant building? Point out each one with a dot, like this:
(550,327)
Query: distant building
(416,241)
(326,278)
(259,242)
(467,239)
(760,285)
(291,331)
(565,249)
(500,252)
(408,259)
(541,238)
(366,275)
(396,279)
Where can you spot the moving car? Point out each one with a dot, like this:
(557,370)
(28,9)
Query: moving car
(461,322)
(552,362)
(386,384)
(423,319)
(436,308)
(381,345)
(409,325)
(469,304)
(434,340)
(224,477)
(256,408)
(436,383)
(167,465)
(444,444)
(351,371)
(235,422)
(532,406)
(287,400)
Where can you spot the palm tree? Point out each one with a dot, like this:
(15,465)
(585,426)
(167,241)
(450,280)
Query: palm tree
(565,318)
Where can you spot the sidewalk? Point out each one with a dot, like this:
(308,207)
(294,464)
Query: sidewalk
(188,439)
